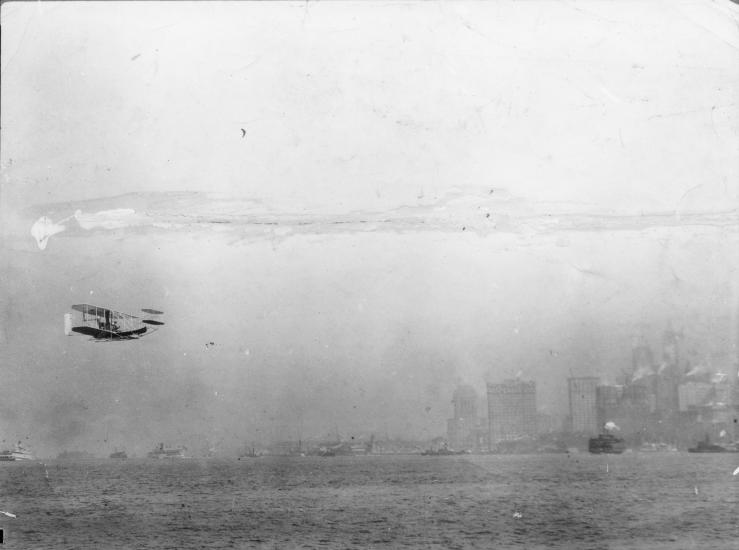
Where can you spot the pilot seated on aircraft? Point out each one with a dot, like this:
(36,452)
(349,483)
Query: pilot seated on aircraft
(102,325)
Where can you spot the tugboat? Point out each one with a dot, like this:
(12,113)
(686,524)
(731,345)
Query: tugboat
(444,450)
(606,444)
(706,446)
(118,455)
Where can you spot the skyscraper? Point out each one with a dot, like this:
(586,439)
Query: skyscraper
(465,402)
(666,386)
(583,405)
(642,360)
(671,348)
(511,410)
(463,428)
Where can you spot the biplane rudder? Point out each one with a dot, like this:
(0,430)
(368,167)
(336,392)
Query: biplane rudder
(68,324)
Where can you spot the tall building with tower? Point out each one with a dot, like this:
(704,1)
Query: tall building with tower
(583,405)
(464,429)
(464,400)
(668,381)
(511,410)
(671,348)
(641,355)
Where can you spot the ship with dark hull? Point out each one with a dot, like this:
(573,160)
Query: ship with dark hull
(606,444)
(444,450)
(119,455)
(706,446)
(333,449)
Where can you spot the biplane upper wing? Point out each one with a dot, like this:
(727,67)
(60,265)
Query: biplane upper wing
(98,311)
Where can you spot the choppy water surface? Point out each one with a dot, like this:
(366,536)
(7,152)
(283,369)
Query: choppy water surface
(670,500)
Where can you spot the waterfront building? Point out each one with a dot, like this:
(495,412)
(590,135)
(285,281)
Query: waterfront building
(693,395)
(511,410)
(547,424)
(464,428)
(464,400)
(583,405)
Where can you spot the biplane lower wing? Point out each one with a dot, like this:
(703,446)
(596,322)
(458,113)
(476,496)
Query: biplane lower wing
(102,334)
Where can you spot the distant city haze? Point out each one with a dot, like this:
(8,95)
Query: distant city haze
(422,196)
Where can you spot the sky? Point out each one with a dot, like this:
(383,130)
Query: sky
(360,205)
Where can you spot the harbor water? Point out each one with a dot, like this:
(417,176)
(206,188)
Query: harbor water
(634,500)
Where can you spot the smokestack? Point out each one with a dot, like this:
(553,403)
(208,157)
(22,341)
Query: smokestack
(67,324)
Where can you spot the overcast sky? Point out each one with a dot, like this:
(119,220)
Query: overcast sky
(360,204)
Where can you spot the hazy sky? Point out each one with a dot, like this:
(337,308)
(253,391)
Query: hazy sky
(423,194)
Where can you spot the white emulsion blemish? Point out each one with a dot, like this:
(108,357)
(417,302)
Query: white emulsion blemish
(45,228)
(117,218)
(106,219)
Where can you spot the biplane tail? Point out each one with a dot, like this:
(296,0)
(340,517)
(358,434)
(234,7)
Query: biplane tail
(155,313)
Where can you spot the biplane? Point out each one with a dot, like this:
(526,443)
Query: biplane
(107,324)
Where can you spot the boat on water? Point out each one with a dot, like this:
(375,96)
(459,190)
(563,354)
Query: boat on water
(19,452)
(606,444)
(118,455)
(657,448)
(706,446)
(442,451)
(160,451)
(250,453)
(334,449)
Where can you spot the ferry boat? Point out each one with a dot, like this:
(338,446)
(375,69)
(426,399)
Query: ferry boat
(19,452)
(167,452)
(606,444)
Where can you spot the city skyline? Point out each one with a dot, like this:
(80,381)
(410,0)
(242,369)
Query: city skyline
(661,400)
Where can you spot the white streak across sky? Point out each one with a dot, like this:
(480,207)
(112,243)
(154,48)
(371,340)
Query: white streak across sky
(494,211)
